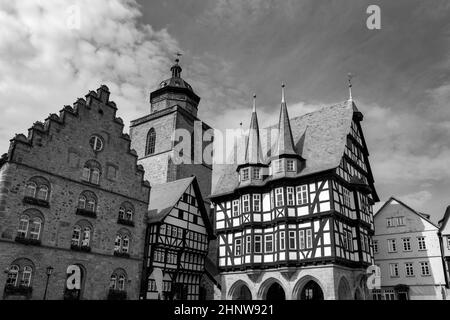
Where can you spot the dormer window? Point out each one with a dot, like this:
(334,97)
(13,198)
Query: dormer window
(256,173)
(291,165)
(278,166)
(245,174)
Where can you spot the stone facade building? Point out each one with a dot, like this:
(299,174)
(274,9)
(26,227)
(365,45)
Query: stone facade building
(73,198)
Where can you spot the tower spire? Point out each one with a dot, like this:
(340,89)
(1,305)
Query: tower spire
(350,76)
(285,141)
(176,69)
(253,150)
(254,102)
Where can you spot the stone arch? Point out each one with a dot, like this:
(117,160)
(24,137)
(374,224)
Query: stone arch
(266,285)
(308,282)
(344,290)
(361,285)
(240,290)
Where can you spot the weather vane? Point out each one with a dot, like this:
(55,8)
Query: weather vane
(178,54)
(350,76)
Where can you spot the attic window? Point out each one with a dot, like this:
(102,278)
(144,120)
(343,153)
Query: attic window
(244,174)
(290,165)
(96,143)
(278,165)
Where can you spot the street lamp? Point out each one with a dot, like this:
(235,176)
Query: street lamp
(49,272)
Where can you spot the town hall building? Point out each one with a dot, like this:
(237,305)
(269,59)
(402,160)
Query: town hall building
(293,216)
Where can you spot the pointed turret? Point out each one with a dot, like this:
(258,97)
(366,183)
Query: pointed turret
(250,171)
(285,141)
(357,115)
(253,150)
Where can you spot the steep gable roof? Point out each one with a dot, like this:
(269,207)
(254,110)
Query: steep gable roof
(164,196)
(319,137)
(285,142)
(421,215)
(443,222)
(253,151)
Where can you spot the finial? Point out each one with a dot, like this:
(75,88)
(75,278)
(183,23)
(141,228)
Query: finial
(177,59)
(282,92)
(350,76)
(254,102)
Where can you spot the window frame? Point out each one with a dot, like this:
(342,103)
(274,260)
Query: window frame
(409,266)
(256,202)
(392,248)
(245,203)
(292,235)
(421,241)
(290,165)
(150,143)
(282,240)
(279,197)
(235,204)
(267,242)
(290,191)
(406,242)
(257,241)
(302,194)
(394,271)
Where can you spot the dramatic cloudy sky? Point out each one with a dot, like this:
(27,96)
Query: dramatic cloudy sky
(50,55)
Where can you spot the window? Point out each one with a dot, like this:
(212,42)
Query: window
(400,221)
(117,280)
(86,237)
(31,190)
(257,244)
(88,201)
(279,197)
(376,294)
(245,174)
(76,236)
(257,202)
(302,194)
(392,245)
(282,240)
(118,243)
(248,248)
(290,196)
(389,294)
(256,173)
(237,247)
(268,241)
(121,283)
(393,268)
(425,268)
(421,242)
(406,244)
(42,193)
(409,269)
(390,222)
(246,202)
(308,238)
(96,143)
(301,235)
(195,219)
(35,228)
(26,276)
(180,214)
(151,141)
(346,198)
(113,282)
(95,176)
(345,242)
(350,241)
(13,275)
(448,242)
(122,243)
(23,226)
(292,240)
(235,208)
(290,165)
(278,166)
(375,246)
(122,213)
(91,172)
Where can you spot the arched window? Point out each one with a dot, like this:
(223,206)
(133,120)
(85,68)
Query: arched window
(86,237)
(129,215)
(113,281)
(122,243)
(76,235)
(22,230)
(87,201)
(26,276)
(31,190)
(151,141)
(35,228)
(122,213)
(91,172)
(121,283)
(30,226)
(13,274)
(43,192)
(81,236)
(37,188)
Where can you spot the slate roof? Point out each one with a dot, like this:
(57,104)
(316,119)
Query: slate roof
(163,197)
(444,220)
(253,150)
(285,142)
(319,137)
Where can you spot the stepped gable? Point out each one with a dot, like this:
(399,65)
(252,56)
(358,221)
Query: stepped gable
(319,137)
(97,105)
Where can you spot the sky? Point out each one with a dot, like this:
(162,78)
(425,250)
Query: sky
(52,52)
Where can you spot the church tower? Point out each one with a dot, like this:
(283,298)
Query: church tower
(170,141)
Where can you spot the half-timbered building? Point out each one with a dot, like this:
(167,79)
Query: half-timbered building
(177,241)
(294,216)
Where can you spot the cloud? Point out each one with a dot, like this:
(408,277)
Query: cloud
(48,59)
(416,200)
